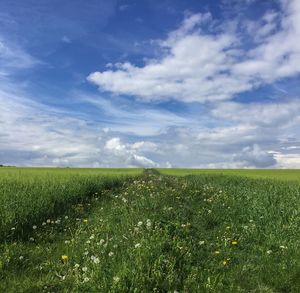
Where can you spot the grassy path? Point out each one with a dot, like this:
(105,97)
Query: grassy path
(165,234)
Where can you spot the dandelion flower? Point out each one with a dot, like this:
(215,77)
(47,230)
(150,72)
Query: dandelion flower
(64,258)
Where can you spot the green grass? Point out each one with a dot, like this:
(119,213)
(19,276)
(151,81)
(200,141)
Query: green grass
(29,194)
(208,233)
(279,174)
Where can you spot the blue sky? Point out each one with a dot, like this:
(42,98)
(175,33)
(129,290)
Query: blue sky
(208,84)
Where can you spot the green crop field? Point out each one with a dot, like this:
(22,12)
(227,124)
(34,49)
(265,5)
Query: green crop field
(129,230)
(279,174)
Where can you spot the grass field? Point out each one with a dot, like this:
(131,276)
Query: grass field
(152,233)
(279,174)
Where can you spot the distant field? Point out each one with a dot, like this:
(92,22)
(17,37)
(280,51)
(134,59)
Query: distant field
(287,174)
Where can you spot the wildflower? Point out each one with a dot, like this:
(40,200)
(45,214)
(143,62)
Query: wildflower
(137,245)
(101,242)
(44,224)
(76,265)
(13,228)
(86,279)
(226,261)
(95,259)
(116,279)
(64,258)
(84,269)
(88,242)
(85,220)
(67,241)
(217,252)
(282,247)
(201,242)
(140,223)
(66,217)
(86,252)
(48,221)
(57,221)
(234,242)
(92,237)
(111,254)
(148,223)
(228,227)
(269,251)
(21,257)
(31,239)
(34,227)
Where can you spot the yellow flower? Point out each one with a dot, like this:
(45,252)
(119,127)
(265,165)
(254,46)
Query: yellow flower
(64,258)
(226,261)
(234,242)
(85,221)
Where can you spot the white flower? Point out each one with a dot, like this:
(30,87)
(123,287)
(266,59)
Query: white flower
(95,259)
(21,257)
(92,237)
(66,217)
(88,242)
(140,223)
(76,265)
(101,241)
(57,221)
(48,221)
(13,228)
(34,227)
(44,223)
(111,254)
(148,224)
(86,252)
(86,279)
(269,251)
(137,245)
(84,269)
(116,279)
(67,241)
(31,239)
(282,247)
(201,242)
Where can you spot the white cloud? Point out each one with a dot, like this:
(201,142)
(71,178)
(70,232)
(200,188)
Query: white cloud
(13,58)
(200,66)
(34,134)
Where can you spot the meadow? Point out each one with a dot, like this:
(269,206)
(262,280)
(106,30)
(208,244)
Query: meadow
(150,233)
(279,174)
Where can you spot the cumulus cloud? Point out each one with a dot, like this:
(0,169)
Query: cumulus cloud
(34,134)
(199,65)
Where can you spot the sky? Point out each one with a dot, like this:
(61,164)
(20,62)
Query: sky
(143,83)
